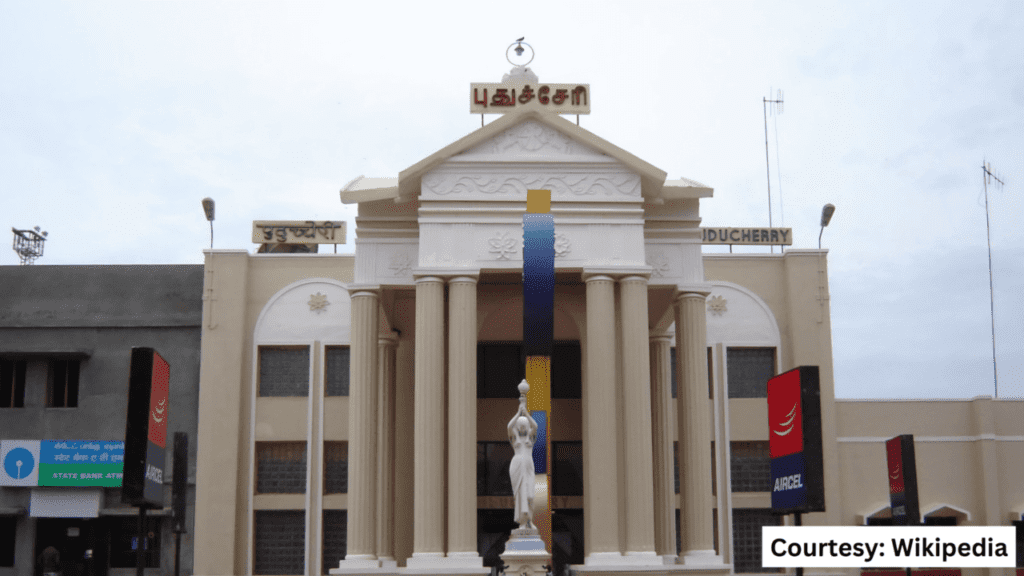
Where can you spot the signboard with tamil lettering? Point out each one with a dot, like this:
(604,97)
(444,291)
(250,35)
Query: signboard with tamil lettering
(747,236)
(502,98)
(61,462)
(794,432)
(298,232)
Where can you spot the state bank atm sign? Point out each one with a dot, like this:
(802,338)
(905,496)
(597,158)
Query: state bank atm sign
(794,421)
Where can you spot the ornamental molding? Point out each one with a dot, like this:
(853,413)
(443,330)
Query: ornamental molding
(717,305)
(562,245)
(318,303)
(659,263)
(534,139)
(504,245)
(618,185)
(400,263)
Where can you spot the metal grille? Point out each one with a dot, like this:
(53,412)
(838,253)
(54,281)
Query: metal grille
(336,370)
(335,467)
(335,538)
(567,461)
(279,542)
(749,370)
(746,536)
(280,467)
(284,371)
(751,466)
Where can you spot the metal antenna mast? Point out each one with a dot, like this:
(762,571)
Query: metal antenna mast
(987,175)
(767,165)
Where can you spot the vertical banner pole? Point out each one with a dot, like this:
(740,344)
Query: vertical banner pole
(538,333)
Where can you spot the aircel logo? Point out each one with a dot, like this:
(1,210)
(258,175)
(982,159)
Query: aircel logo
(785,415)
(787,426)
(894,455)
(155,474)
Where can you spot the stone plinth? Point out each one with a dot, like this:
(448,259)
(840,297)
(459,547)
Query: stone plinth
(525,554)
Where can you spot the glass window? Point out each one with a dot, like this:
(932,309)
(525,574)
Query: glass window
(492,462)
(746,535)
(500,369)
(335,538)
(62,384)
(566,370)
(335,468)
(283,371)
(8,528)
(12,383)
(281,468)
(124,538)
(751,466)
(567,461)
(748,371)
(279,542)
(336,371)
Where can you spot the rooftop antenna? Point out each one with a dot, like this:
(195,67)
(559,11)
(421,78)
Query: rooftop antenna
(988,176)
(29,244)
(777,108)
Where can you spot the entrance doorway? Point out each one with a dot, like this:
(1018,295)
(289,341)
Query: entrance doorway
(79,541)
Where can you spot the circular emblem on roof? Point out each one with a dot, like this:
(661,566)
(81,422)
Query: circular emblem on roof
(521,50)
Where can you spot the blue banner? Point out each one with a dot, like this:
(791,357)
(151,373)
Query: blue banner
(788,484)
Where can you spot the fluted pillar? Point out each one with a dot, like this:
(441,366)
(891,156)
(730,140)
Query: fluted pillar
(636,380)
(462,544)
(599,410)
(694,417)
(362,435)
(662,424)
(428,417)
(386,345)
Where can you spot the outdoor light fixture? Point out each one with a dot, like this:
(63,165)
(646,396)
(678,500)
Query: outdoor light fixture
(208,208)
(29,244)
(826,216)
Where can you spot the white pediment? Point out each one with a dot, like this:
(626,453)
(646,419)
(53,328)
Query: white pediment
(531,141)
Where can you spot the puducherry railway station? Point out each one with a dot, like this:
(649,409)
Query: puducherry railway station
(353,409)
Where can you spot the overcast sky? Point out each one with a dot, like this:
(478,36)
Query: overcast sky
(116,119)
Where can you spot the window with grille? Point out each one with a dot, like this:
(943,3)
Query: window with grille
(279,542)
(746,537)
(748,371)
(124,538)
(62,384)
(336,364)
(567,465)
(492,461)
(500,369)
(335,538)
(281,468)
(751,466)
(283,371)
(335,468)
(12,383)
(672,370)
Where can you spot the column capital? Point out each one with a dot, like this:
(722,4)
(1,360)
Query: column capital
(659,338)
(619,272)
(428,278)
(691,290)
(464,279)
(388,338)
(445,273)
(589,277)
(645,278)
(363,290)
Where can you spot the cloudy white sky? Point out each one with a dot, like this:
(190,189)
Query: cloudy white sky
(117,118)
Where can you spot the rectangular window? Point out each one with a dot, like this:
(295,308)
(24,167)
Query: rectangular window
(748,371)
(336,371)
(335,538)
(281,468)
(62,384)
(746,536)
(672,369)
(567,464)
(500,369)
(751,466)
(566,370)
(493,529)
(8,528)
(12,383)
(279,542)
(675,464)
(283,371)
(124,537)
(335,468)
(492,462)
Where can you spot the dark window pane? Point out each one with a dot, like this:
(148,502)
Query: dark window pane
(62,384)
(335,468)
(8,528)
(672,365)
(336,371)
(12,383)
(711,377)
(566,373)
(335,538)
(284,371)
(748,371)
(499,370)
(751,466)
(746,535)
(279,542)
(124,535)
(567,461)
(675,464)
(567,538)
(499,457)
(280,467)
(493,529)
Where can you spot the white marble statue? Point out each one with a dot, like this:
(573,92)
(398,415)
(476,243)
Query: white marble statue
(522,433)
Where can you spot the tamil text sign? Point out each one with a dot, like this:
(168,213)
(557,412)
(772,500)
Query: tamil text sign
(794,422)
(61,462)
(505,98)
(298,232)
(763,236)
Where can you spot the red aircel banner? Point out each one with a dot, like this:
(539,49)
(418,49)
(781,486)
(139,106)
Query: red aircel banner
(158,401)
(785,415)
(894,453)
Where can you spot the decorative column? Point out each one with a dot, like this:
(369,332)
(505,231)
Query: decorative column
(662,424)
(599,412)
(462,544)
(694,418)
(362,432)
(636,380)
(386,449)
(428,419)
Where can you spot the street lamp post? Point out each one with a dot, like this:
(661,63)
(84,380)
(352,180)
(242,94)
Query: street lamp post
(208,208)
(826,216)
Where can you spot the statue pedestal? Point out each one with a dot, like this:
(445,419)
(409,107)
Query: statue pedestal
(525,554)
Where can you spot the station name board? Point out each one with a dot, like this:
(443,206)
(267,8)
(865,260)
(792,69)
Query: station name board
(504,98)
(757,236)
(298,232)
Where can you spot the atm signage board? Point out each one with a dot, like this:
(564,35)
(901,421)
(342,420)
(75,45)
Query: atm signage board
(62,462)
(794,420)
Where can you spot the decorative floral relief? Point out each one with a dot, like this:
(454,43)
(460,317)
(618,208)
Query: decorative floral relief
(659,264)
(504,245)
(400,263)
(559,184)
(562,245)
(530,137)
(318,303)
(716,305)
